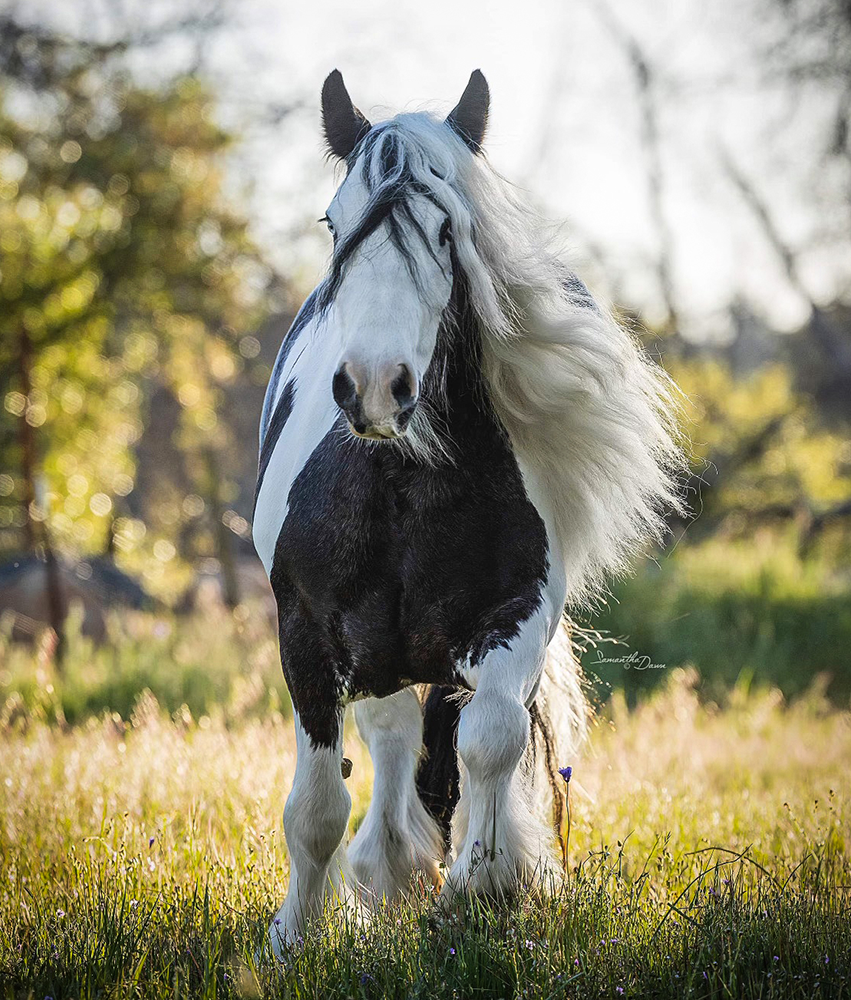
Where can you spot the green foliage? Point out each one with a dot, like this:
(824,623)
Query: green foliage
(124,275)
(762,448)
(747,611)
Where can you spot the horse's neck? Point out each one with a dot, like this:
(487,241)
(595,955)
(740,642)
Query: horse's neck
(457,391)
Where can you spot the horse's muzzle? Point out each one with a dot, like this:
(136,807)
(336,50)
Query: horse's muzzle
(378,405)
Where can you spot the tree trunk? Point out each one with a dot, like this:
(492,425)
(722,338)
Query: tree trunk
(36,530)
(27,440)
(224,551)
(55,601)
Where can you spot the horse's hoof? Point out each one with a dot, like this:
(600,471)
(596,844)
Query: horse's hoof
(283,941)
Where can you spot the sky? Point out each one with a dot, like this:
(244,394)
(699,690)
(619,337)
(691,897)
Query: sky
(565,126)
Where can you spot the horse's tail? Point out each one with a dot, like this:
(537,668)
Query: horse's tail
(438,777)
(559,716)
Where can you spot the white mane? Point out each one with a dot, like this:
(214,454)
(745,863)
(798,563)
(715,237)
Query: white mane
(582,403)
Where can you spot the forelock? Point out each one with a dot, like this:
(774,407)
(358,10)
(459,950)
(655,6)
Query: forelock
(412,154)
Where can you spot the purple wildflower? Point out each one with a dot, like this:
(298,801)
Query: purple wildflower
(619,989)
(566,773)
(151,842)
(452,951)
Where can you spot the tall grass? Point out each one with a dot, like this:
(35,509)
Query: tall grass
(709,857)
(142,785)
(221,663)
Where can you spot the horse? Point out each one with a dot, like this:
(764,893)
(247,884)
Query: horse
(456,443)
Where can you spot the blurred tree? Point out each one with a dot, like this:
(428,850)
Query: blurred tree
(762,454)
(125,278)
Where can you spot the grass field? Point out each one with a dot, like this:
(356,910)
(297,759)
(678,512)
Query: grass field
(709,857)
(742,612)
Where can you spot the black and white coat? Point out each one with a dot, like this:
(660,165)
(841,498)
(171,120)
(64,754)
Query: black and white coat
(455,442)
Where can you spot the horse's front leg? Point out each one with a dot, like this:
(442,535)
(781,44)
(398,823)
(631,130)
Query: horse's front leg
(315,818)
(397,836)
(499,838)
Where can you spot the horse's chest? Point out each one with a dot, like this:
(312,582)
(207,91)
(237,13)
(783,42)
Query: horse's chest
(400,572)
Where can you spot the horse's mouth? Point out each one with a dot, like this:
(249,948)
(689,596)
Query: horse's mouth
(376,434)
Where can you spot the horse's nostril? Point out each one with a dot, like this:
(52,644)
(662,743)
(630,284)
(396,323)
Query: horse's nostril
(403,386)
(343,388)
(403,417)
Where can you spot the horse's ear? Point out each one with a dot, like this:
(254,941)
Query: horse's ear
(469,117)
(344,125)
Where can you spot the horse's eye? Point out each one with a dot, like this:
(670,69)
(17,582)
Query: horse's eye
(445,232)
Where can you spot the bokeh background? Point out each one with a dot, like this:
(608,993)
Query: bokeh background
(161,174)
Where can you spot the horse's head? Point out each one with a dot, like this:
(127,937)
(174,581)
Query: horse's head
(391,275)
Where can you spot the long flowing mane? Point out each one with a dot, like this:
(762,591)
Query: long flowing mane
(583,405)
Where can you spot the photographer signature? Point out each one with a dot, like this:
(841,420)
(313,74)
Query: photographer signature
(631,661)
